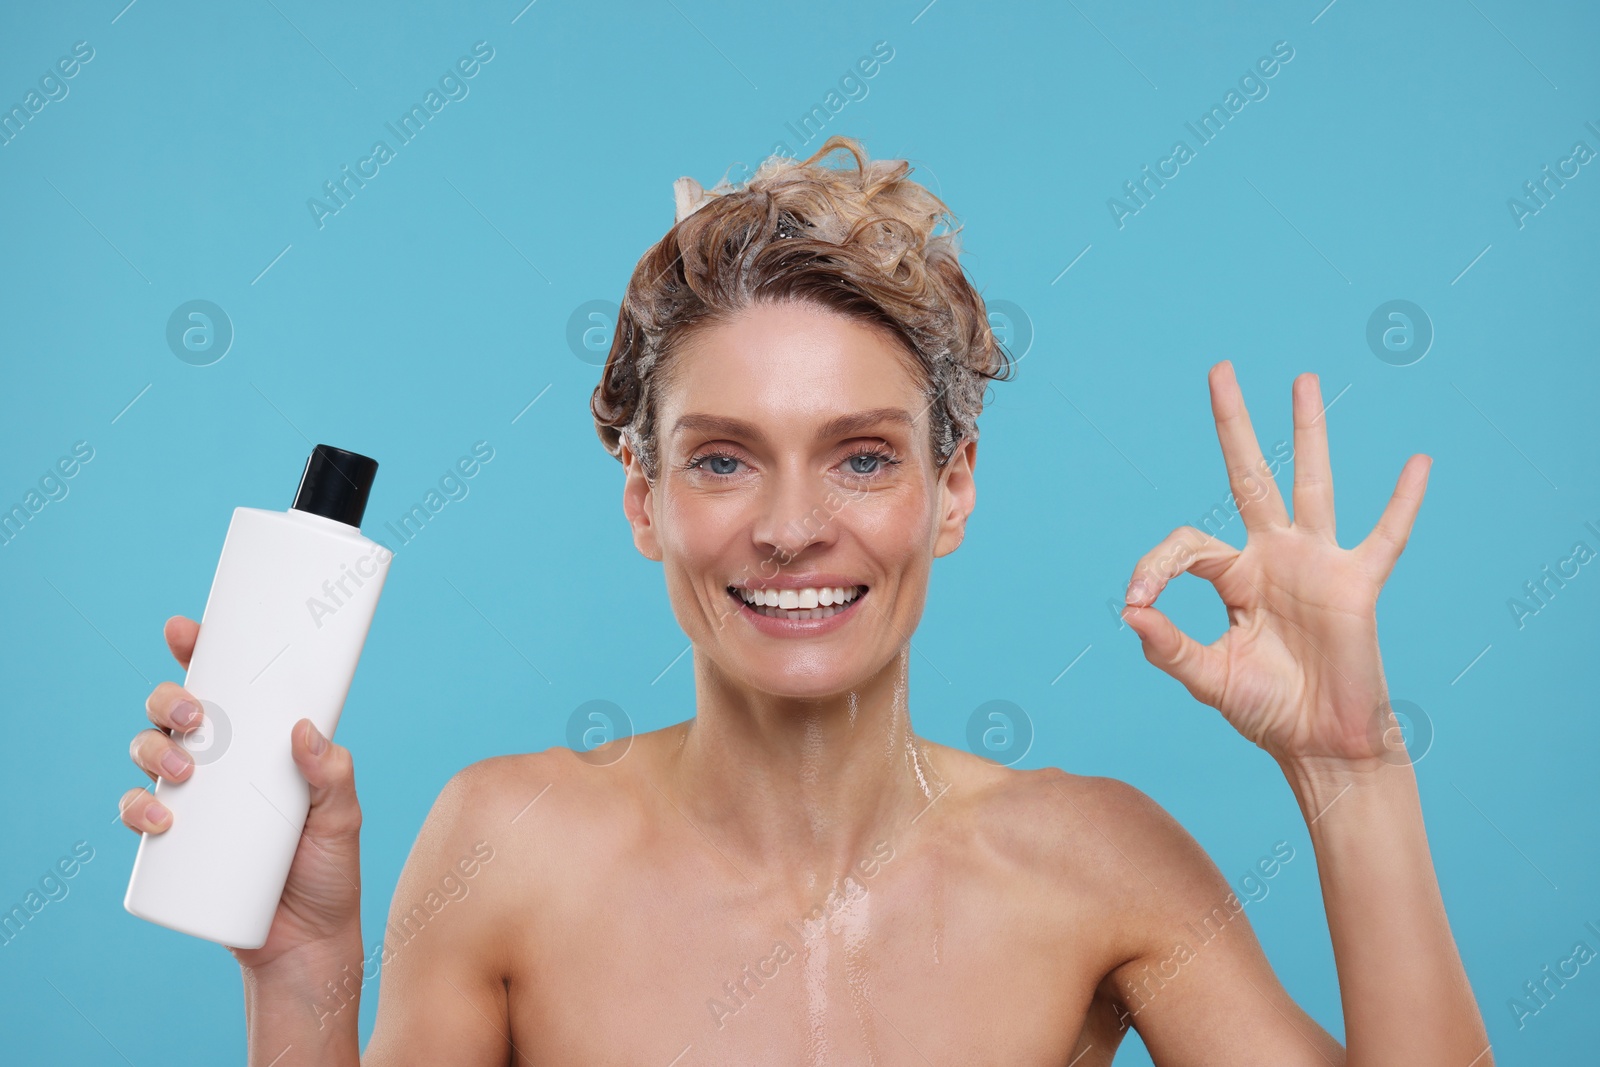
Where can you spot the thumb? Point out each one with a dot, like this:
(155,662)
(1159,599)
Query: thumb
(330,772)
(1175,652)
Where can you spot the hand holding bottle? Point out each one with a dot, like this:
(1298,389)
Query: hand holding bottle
(254,805)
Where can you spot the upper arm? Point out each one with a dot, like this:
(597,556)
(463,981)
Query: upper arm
(443,995)
(1197,985)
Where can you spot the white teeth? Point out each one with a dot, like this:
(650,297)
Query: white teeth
(799,600)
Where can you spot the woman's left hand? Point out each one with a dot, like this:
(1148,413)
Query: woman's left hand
(1298,671)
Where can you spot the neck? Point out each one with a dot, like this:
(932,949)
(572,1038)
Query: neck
(802,788)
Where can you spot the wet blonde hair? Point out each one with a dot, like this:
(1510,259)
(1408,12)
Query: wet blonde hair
(859,242)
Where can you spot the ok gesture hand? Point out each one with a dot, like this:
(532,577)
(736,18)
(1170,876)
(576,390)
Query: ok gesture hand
(1298,672)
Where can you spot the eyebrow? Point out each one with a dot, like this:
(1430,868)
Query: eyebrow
(839,426)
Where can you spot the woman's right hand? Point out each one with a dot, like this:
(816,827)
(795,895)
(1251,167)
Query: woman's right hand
(321,900)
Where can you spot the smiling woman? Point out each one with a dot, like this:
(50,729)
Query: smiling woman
(793,393)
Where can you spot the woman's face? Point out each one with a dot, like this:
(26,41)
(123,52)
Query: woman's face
(794,461)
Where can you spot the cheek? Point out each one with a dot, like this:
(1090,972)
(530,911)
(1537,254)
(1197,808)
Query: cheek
(898,521)
(700,541)
(891,534)
(698,529)
(896,534)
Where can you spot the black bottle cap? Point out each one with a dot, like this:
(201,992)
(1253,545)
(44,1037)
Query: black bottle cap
(335,484)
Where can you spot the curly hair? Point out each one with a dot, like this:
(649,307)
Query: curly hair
(857,242)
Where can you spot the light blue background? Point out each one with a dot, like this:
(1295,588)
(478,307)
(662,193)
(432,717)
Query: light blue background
(430,311)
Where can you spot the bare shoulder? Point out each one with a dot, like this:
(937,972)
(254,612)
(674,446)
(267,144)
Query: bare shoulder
(483,811)
(496,790)
(503,831)
(1094,837)
(532,806)
(494,859)
(1096,871)
(1121,875)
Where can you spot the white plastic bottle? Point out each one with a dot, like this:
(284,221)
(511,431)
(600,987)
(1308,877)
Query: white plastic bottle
(282,630)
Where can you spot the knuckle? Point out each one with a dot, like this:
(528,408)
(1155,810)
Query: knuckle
(344,766)
(338,814)
(139,748)
(131,807)
(159,703)
(147,748)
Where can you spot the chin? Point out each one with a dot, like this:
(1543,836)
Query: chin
(803,674)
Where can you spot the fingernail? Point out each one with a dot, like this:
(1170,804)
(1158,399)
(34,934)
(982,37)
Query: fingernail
(174,763)
(1137,591)
(318,743)
(185,714)
(156,813)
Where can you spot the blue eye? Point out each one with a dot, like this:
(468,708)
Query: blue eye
(717,463)
(868,463)
(878,461)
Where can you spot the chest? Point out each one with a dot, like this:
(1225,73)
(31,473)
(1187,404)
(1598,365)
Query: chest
(909,965)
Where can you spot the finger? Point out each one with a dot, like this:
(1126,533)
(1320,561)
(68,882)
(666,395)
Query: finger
(1254,490)
(143,813)
(1201,669)
(1313,477)
(172,707)
(160,756)
(330,772)
(181,633)
(1184,549)
(1378,552)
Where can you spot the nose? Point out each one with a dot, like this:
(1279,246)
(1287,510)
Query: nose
(795,512)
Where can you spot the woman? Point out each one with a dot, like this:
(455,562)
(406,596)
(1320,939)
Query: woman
(793,876)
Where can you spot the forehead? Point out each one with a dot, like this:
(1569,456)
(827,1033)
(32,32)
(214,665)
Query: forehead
(790,361)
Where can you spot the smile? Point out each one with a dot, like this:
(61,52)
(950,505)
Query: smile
(797,604)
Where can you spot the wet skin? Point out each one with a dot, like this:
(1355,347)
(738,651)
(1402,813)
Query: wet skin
(792,876)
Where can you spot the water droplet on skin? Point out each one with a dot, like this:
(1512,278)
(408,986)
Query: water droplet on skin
(854,919)
(898,717)
(815,947)
(913,755)
(811,771)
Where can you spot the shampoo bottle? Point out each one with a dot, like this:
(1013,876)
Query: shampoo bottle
(283,627)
